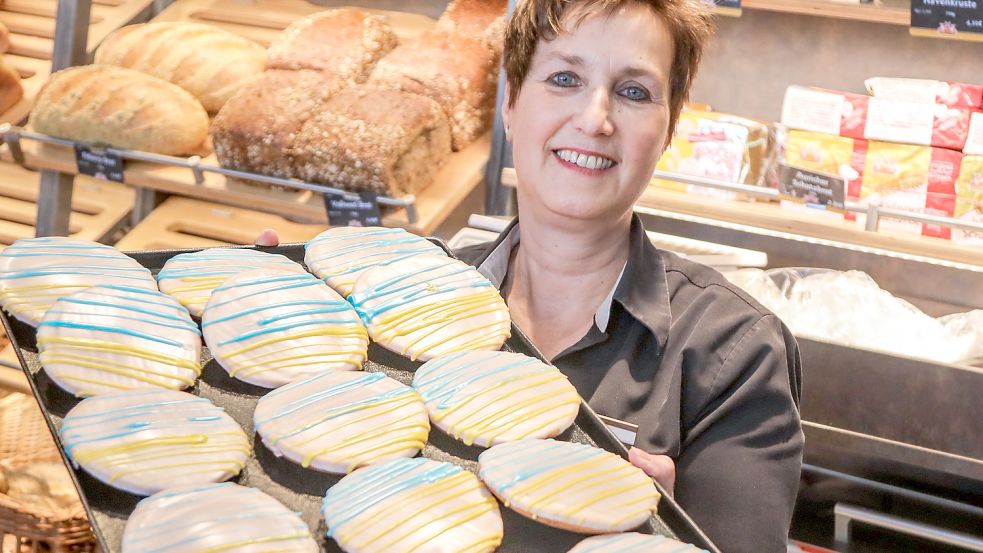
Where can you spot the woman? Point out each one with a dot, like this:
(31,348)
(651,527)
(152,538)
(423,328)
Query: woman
(709,377)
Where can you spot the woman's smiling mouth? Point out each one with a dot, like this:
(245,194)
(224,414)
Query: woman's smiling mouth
(590,161)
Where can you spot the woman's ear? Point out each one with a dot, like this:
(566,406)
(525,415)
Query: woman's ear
(507,112)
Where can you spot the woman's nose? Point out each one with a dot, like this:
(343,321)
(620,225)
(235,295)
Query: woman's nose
(594,117)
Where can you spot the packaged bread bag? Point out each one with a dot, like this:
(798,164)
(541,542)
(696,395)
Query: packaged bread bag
(969,201)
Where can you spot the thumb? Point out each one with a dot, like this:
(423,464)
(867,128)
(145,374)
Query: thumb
(660,467)
(268,237)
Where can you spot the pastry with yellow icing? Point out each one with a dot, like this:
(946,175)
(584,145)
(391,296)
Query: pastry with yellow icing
(633,542)
(569,485)
(191,277)
(110,338)
(340,254)
(342,420)
(491,397)
(269,328)
(37,272)
(427,306)
(144,441)
(412,505)
(222,517)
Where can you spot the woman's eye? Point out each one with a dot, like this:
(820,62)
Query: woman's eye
(635,92)
(564,79)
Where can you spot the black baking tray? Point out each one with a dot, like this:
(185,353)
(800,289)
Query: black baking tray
(300,489)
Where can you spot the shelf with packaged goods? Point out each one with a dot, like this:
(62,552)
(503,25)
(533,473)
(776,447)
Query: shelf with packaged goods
(32,37)
(867,12)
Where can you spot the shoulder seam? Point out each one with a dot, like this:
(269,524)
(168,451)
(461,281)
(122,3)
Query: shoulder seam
(733,289)
(752,329)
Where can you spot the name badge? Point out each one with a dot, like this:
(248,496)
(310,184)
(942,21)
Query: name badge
(624,431)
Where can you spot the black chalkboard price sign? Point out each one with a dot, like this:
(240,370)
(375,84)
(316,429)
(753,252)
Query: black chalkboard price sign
(353,210)
(955,19)
(98,163)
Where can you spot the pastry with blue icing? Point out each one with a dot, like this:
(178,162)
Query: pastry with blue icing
(143,441)
(490,397)
(426,306)
(37,272)
(339,421)
(633,542)
(412,505)
(340,254)
(106,339)
(191,277)
(222,517)
(270,328)
(573,486)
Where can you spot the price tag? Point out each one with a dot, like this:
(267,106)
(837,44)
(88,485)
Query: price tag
(956,19)
(812,187)
(730,8)
(98,163)
(353,210)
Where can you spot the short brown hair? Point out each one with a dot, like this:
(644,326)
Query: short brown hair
(688,21)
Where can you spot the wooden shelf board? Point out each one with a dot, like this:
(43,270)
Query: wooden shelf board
(855,11)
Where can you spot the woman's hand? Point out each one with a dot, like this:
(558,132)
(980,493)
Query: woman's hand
(268,237)
(660,467)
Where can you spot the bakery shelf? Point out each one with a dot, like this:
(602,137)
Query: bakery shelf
(32,32)
(871,13)
(423,214)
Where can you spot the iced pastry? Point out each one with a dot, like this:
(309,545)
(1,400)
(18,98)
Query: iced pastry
(417,505)
(36,272)
(215,517)
(341,420)
(110,338)
(339,255)
(633,542)
(426,306)
(490,397)
(269,328)
(573,486)
(191,277)
(144,441)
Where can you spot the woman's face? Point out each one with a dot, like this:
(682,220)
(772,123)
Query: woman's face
(590,121)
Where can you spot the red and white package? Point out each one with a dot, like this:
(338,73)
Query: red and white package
(926,91)
(974,136)
(858,116)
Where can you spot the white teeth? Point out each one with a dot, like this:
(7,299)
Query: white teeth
(583,160)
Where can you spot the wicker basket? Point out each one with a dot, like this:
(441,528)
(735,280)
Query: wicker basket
(24,439)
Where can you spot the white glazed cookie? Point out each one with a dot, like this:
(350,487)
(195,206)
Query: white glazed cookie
(342,420)
(36,272)
(633,542)
(568,485)
(215,517)
(339,255)
(427,306)
(191,277)
(270,328)
(143,441)
(110,338)
(417,505)
(490,397)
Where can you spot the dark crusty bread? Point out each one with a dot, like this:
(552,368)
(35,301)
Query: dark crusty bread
(371,139)
(120,107)
(345,42)
(256,128)
(457,71)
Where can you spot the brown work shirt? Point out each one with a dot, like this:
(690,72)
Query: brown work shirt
(710,377)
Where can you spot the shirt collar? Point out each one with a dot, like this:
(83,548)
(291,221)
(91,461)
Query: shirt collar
(641,288)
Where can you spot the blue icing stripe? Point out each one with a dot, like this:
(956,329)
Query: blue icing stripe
(47,254)
(191,327)
(341,306)
(113,329)
(308,280)
(463,376)
(364,378)
(415,289)
(367,487)
(281,328)
(352,235)
(548,457)
(94,271)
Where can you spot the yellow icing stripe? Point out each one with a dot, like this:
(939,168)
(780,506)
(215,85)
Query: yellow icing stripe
(588,466)
(136,373)
(346,331)
(467,514)
(85,455)
(164,453)
(102,345)
(255,541)
(394,403)
(354,361)
(224,466)
(466,346)
(419,436)
(308,358)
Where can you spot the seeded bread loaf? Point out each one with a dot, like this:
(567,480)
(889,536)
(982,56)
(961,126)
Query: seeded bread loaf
(371,139)
(344,42)
(457,71)
(11,90)
(120,107)
(484,18)
(256,129)
(210,63)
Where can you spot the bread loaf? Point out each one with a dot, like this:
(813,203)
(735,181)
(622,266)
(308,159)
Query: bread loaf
(256,129)
(457,71)
(485,18)
(370,139)
(345,42)
(210,63)
(120,107)
(11,90)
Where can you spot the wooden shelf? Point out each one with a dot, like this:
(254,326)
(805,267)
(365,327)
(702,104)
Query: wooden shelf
(892,15)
